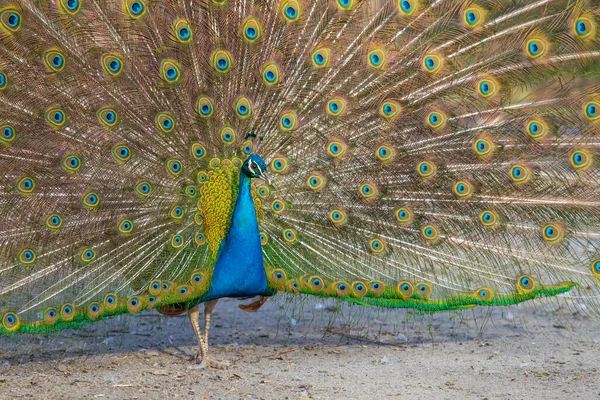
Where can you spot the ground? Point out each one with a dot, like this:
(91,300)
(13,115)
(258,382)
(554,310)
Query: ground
(317,350)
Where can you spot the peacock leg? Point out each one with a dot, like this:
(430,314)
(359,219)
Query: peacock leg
(202,357)
(208,309)
(209,306)
(193,315)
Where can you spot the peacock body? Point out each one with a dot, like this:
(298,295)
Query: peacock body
(435,155)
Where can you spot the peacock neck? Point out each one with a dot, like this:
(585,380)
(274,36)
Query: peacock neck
(239,270)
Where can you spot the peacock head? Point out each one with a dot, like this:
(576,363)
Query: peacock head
(256,167)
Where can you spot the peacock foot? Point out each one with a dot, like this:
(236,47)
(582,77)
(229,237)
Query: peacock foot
(209,362)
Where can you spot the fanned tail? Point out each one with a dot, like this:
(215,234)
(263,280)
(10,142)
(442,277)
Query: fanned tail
(433,155)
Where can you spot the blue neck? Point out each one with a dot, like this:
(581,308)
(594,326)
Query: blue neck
(239,270)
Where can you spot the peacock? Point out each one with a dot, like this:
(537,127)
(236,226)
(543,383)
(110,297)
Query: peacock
(427,154)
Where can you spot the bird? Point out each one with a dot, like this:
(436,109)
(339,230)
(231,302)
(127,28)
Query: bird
(434,155)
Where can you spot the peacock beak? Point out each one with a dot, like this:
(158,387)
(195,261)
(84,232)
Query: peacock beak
(265,177)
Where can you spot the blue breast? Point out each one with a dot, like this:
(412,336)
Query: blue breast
(239,270)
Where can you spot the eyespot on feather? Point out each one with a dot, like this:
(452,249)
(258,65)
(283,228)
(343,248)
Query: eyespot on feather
(251,29)
(112,64)
(385,154)
(584,27)
(426,169)
(204,107)
(289,235)
(50,316)
(53,222)
(405,289)
(11,322)
(165,122)
(592,110)
(7,135)
(90,200)
(25,185)
(278,206)
(553,233)
(432,63)
(264,238)
(404,216)
(176,213)
(336,107)
(346,5)
(377,246)
(173,166)
(436,119)
(376,287)
(27,257)
(536,128)
(484,147)
(341,288)
(271,73)
(110,301)
(170,71)
(134,8)
(280,165)
(221,60)
(431,233)
(107,116)
(68,312)
(581,159)
(227,135)
(377,58)
(407,7)
(94,310)
(390,109)
(10,20)
(288,121)
(71,163)
(134,304)
(3,82)
(182,30)
(488,88)
(316,181)
(55,117)
(474,16)
(484,294)
(315,283)
(69,7)
(525,283)
(423,290)
(338,217)
(125,227)
(520,173)
(489,218)
(463,189)
(536,47)
(321,57)
(242,107)
(143,189)
(291,10)
(336,147)
(359,289)
(121,153)
(87,255)
(369,191)
(54,60)
(596,268)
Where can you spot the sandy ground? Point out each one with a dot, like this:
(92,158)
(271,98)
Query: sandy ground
(311,349)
